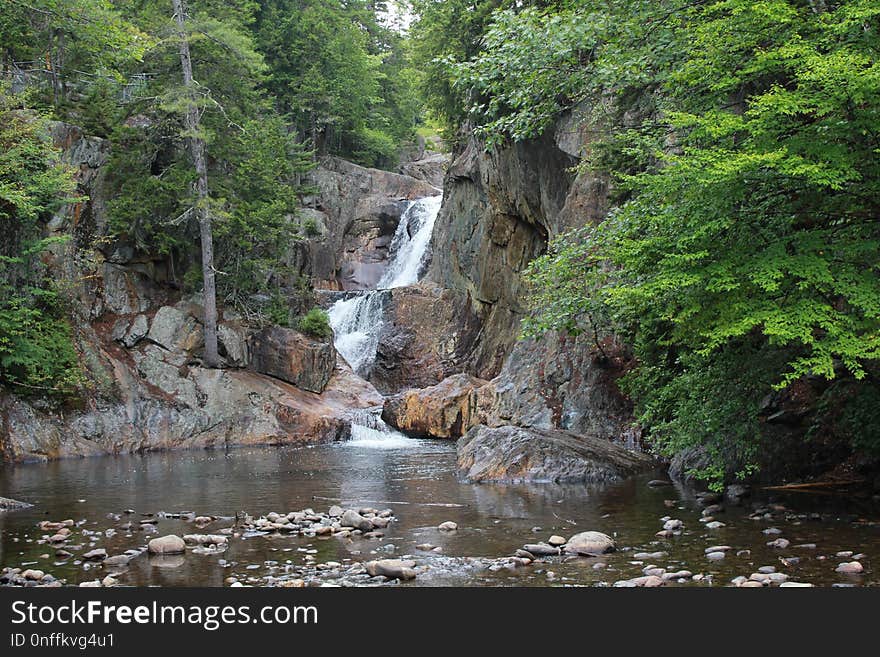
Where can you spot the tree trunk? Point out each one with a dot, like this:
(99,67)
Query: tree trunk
(197,150)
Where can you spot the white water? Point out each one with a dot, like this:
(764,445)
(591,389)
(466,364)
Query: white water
(357,322)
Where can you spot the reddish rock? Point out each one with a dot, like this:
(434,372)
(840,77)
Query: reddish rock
(446,410)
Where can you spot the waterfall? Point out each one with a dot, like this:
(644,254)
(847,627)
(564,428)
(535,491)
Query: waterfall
(357,322)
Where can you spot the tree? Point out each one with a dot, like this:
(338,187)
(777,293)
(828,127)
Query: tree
(197,149)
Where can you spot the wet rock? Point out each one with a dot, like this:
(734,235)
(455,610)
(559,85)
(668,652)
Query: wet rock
(648,581)
(170,544)
(845,554)
(8,504)
(717,548)
(556,541)
(678,574)
(336,511)
(712,509)
(117,560)
(673,525)
(715,524)
(779,543)
(752,585)
(657,483)
(795,585)
(524,554)
(205,539)
(293,357)
(767,569)
(649,555)
(735,492)
(391,568)
(514,454)
(715,556)
(352,518)
(541,549)
(31,574)
(851,567)
(589,543)
(97,554)
(447,526)
(446,410)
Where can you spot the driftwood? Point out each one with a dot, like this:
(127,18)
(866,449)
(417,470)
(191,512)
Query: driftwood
(816,484)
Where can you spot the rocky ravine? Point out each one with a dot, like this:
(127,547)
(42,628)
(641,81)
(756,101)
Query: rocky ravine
(140,342)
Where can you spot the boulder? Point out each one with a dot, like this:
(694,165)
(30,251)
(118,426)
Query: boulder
(288,355)
(170,544)
(8,504)
(352,518)
(446,410)
(232,339)
(175,330)
(431,168)
(515,454)
(590,543)
(391,568)
(138,330)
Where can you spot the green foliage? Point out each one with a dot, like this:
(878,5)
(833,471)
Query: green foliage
(743,255)
(315,323)
(341,76)
(36,343)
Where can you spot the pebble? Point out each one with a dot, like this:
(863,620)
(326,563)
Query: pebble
(715,556)
(767,569)
(717,548)
(846,554)
(558,541)
(650,555)
(851,567)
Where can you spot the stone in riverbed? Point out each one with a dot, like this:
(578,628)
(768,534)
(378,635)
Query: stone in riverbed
(97,554)
(352,518)
(795,585)
(335,511)
(715,524)
(117,560)
(673,525)
(447,526)
(556,541)
(851,567)
(391,568)
(779,543)
(657,483)
(541,549)
(715,556)
(170,544)
(446,410)
(648,581)
(590,543)
(517,455)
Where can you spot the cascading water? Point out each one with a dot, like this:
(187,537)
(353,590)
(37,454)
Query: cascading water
(357,322)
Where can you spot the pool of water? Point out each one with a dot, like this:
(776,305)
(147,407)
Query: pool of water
(416,480)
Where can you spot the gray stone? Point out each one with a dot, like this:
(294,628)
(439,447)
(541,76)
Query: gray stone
(391,568)
(352,518)
(541,549)
(590,543)
(779,543)
(851,567)
(516,455)
(447,526)
(97,554)
(137,332)
(170,544)
(175,330)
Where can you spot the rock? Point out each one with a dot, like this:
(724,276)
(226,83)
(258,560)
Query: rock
(35,575)
(138,330)
(851,567)
(735,492)
(291,356)
(717,548)
(778,578)
(772,531)
(97,554)
(431,168)
(170,544)
(541,549)
(516,455)
(7,504)
(649,581)
(232,341)
(96,584)
(109,581)
(175,330)
(779,543)
(336,511)
(751,585)
(715,556)
(391,568)
(657,483)
(589,543)
(673,525)
(117,560)
(642,556)
(795,585)
(446,410)
(845,554)
(708,498)
(715,524)
(712,509)
(447,526)
(767,569)
(678,574)
(352,518)
(556,541)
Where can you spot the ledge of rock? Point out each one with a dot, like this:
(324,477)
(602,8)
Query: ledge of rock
(517,455)
(291,356)
(446,410)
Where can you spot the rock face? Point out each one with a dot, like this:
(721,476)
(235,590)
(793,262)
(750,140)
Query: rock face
(431,168)
(359,209)
(176,330)
(446,410)
(515,455)
(291,356)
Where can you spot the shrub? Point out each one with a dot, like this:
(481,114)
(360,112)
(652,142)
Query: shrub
(315,323)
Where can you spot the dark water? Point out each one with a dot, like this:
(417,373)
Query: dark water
(416,480)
